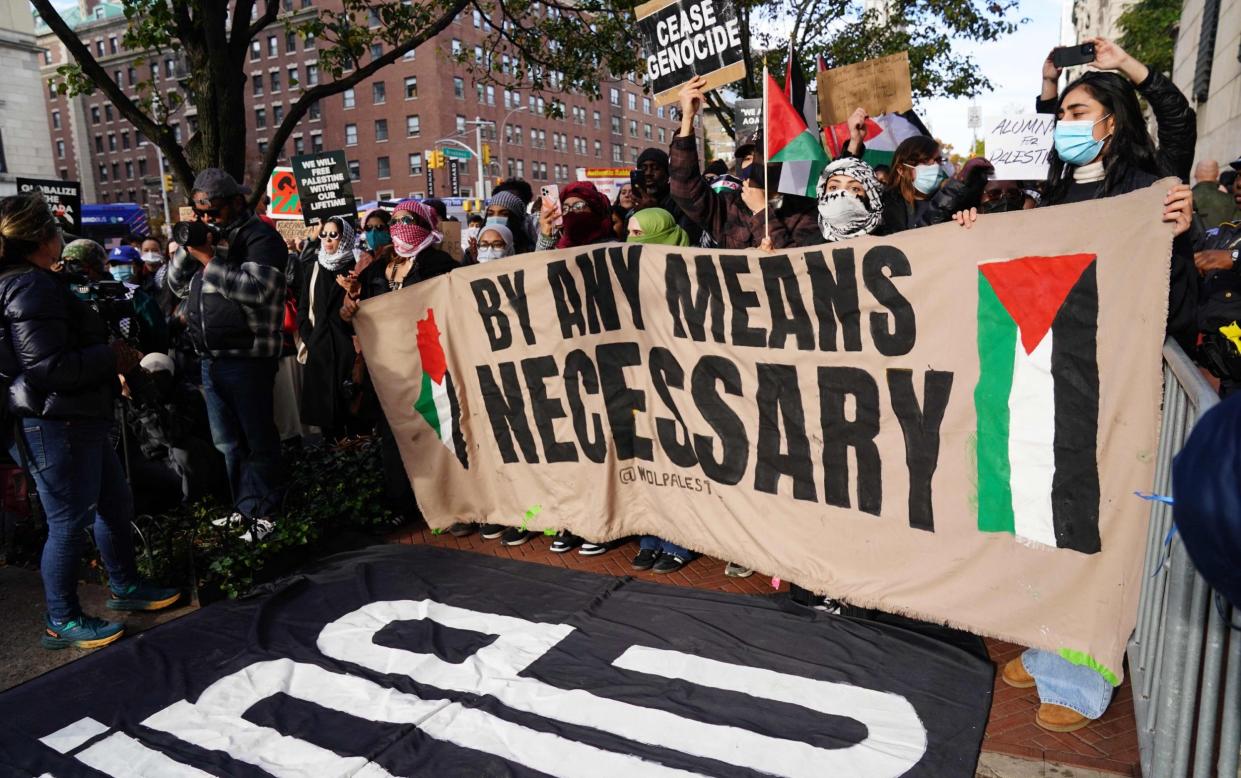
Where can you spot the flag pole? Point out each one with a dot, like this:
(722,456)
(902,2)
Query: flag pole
(766,136)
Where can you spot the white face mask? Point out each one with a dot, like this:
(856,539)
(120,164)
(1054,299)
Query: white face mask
(843,208)
(489,254)
(152,257)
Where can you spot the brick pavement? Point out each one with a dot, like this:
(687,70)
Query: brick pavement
(1109,744)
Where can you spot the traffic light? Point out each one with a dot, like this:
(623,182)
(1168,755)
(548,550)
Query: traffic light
(168,186)
(437,158)
(486,153)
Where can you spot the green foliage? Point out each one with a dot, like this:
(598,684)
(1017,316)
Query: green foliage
(1148,32)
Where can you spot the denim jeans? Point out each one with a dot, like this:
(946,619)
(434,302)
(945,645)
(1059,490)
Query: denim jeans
(240,396)
(1060,682)
(81,485)
(652,543)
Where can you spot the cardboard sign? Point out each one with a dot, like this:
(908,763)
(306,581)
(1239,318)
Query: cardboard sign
(747,117)
(878,85)
(283,200)
(64,198)
(1018,145)
(323,184)
(687,38)
(451,244)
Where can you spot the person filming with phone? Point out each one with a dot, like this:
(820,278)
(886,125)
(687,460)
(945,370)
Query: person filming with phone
(59,367)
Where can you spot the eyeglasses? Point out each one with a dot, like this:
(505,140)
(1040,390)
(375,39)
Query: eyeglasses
(576,207)
(406,220)
(497,244)
(329,235)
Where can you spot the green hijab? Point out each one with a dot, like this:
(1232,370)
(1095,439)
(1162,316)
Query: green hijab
(659,227)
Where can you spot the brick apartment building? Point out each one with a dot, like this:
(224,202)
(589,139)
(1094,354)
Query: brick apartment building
(385,125)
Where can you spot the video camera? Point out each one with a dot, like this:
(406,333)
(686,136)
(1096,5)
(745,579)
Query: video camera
(114,304)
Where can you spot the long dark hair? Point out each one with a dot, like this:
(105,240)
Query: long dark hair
(911,151)
(1129,148)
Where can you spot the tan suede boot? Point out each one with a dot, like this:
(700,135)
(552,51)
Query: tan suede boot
(1057,718)
(1015,675)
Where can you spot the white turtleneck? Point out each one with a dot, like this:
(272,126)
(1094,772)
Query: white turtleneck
(1088,174)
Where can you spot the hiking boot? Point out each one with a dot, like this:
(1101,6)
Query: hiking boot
(734,570)
(1015,675)
(565,541)
(645,559)
(82,632)
(462,529)
(1057,718)
(668,563)
(492,531)
(593,549)
(514,536)
(143,597)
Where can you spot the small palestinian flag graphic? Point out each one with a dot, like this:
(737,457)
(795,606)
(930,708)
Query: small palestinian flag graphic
(1037,400)
(437,401)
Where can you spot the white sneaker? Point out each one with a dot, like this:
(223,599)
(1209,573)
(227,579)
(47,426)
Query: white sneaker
(734,570)
(234,519)
(262,528)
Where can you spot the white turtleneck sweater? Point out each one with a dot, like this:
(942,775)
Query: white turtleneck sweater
(1088,174)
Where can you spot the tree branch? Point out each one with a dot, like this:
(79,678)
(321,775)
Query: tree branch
(160,134)
(269,15)
(716,105)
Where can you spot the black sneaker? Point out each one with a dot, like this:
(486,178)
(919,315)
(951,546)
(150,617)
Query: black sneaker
(462,529)
(492,531)
(514,536)
(565,541)
(645,559)
(668,563)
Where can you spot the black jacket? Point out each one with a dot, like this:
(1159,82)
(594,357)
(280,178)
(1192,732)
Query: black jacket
(429,263)
(328,343)
(54,355)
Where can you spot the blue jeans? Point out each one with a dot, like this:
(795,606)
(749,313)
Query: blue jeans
(81,484)
(240,394)
(1060,682)
(652,543)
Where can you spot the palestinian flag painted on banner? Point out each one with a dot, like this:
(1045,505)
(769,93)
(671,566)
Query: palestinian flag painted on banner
(437,401)
(789,140)
(1037,400)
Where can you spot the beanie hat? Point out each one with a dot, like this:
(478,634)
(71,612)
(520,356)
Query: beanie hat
(658,156)
(508,201)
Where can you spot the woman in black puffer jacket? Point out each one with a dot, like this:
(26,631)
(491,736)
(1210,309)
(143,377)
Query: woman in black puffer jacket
(59,376)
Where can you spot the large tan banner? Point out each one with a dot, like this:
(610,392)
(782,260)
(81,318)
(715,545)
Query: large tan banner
(944,423)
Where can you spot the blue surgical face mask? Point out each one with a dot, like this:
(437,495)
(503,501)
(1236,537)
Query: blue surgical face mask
(927,178)
(1075,141)
(377,239)
(500,220)
(121,272)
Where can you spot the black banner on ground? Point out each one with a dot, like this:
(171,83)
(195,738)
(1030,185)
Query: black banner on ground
(323,183)
(64,197)
(402,660)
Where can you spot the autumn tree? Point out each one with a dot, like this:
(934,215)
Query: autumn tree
(558,46)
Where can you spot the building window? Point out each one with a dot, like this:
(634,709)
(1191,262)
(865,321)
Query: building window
(458,87)
(598,149)
(456,47)
(616,125)
(99,47)
(99,144)
(169,69)
(60,149)
(378,93)
(111,141)
(142,166)
(381,129)
(116,76)
(107,112)
(154,71)
(633,128)
(618,152)
(646,131)
(597,120)
(277,114)
(112,45)
(646,106)
(614,96)
(309,43)
(491,95)
(116,172)
(293,79)
(663,135)
(415,164)
(382,168)
(411,87)
(290,41)
(55,120)
(94,114)
(460,123)
(176,131)
(351,134)
(129,169)
(481,93)
(262,146)
(103,172)
(478,19)
(260,118)
(355,170)
(413,125)
(377,50)
(256,50)
(131,75)
(274,77)
(125,139)
(316,142)
(299,145)
(273,46)
(256,85)
(633,101)
(350,98)
(312,74)
(313,112)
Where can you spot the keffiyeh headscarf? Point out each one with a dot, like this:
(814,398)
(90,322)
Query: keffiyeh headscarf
(344,249)
(410,239)
(865,219)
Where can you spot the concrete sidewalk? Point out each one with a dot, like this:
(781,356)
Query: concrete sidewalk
(22,614)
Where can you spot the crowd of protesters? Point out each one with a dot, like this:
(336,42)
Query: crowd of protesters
(228,339)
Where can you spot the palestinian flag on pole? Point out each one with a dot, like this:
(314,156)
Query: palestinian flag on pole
(1037,400)
(892,129)
(792,173)
(437,401)
(789,140)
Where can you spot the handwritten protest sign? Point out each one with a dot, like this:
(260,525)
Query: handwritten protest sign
(283,201)
(687,38)
(878,85)
(747,116)
(1018,145)
(323,184)
(63,197)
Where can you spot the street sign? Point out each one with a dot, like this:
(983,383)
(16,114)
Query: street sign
(455,153)
(454,178)
(430,182)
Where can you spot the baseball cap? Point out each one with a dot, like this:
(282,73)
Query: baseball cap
(124,255)
(218,184)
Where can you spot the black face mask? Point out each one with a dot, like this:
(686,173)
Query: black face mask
(1003,205)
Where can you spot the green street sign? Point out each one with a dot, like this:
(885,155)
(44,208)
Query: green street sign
(454,153)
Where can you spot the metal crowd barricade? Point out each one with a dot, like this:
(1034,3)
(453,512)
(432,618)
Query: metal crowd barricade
(1184,661)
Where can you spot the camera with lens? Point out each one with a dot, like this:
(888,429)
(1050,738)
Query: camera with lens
(114,304)
(195,234)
